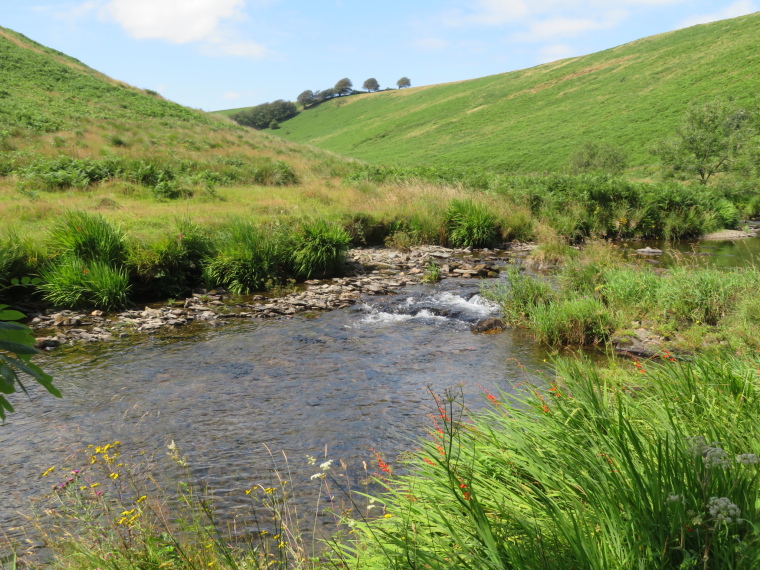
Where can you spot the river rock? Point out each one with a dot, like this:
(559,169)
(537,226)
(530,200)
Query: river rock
(492,324)
(639,343)
(48,343)
(649,251)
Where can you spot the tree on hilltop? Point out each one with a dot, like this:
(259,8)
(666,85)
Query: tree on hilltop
(344,86)
(403,82)
(306,98)
(371,84)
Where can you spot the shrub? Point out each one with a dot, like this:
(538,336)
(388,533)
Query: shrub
(170,266)
(320,249)
(572,321)
(247,258)
(523,294)
(470,224)
(74,283)
(88,237)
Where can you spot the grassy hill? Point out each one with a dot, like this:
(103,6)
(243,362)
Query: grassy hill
(73,138)
(532,119)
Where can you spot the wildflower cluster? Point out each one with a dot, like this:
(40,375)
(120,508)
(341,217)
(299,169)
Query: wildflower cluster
(723,510)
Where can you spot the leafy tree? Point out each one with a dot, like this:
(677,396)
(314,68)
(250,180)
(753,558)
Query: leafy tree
(16,351)
(274,125)
(306,98)
(709,139)
(403,82)
(592,155)
(371,84)
(320,96)
(261,116)
(344,86)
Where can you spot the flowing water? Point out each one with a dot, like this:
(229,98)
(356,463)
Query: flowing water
(335,386)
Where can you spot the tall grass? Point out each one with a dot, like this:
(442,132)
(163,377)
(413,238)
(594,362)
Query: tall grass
(171,265)
(247,258)
(655,471)
(597,294)
(470,224)
(320,249)
(74,283)
(18,257)
(580,321)
(88,237)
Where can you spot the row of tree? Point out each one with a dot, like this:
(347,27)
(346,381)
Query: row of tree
(270,115)
(266,115)
(344,87)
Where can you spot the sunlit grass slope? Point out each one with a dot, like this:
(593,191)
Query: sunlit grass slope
(531,120)
(73,138)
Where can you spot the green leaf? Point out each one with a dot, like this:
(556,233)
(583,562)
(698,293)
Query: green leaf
(14,281)
(9,315)
(20,336)
(34,371)
(12,327)
(7,379)
(17,348)
(4,404)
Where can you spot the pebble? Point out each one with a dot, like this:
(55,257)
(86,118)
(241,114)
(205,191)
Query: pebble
(369,271)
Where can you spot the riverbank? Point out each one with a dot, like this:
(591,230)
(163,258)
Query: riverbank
(369,271)
(602,296)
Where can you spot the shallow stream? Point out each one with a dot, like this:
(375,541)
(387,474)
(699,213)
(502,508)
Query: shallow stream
(335,386)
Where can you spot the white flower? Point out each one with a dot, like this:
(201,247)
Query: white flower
(326,465)
(748,459)
(723,510)
(715,457)
(317,476)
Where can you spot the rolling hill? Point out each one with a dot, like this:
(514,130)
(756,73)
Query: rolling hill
(531,120)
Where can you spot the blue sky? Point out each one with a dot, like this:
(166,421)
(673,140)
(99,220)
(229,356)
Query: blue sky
(218,54)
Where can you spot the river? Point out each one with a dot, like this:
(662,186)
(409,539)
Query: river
(332,386)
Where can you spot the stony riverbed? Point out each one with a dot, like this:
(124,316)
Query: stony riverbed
(369,271)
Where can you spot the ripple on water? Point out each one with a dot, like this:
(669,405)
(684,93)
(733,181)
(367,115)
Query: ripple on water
(346,382)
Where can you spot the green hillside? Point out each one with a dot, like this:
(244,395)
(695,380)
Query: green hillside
(530,120)
(45,90)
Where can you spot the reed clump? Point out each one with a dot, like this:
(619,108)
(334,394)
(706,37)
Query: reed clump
(649,466)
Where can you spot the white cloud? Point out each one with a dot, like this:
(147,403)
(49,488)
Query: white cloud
(554,52)
(176,21)
(231,95)
(555,28)
(740,8)
(501,12)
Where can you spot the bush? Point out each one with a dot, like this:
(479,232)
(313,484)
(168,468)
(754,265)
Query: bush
(604,157)
(74,283)
(88,237)
(262,116)
(248,258)
(320,249)
(470,224)
(572,321)
(172,265)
